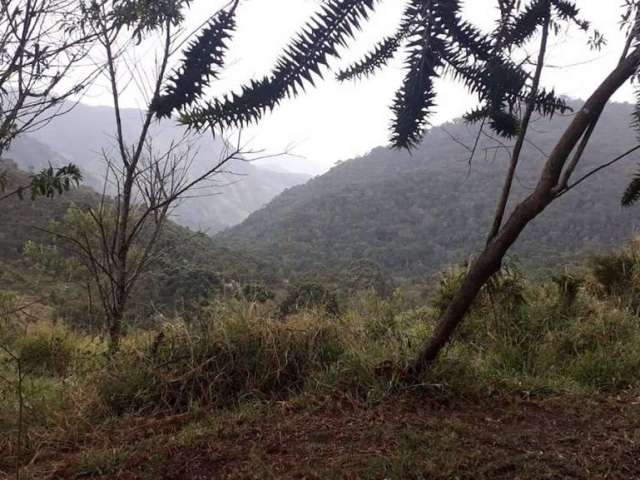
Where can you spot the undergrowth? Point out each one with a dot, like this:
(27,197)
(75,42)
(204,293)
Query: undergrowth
(577,333)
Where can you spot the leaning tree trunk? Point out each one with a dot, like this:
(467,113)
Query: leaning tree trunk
(490,260)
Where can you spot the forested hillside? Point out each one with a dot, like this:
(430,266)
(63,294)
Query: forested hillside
(189,265)
(413,213)
(85,133)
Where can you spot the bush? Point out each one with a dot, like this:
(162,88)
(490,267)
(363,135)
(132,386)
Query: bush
(607,369)
(237,358)
(520,336)
(307,297)
(47,354)
(450,281)
(568,286)
(255,292)
(614,272)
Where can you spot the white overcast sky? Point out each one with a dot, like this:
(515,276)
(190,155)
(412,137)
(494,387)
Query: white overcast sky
(339,121)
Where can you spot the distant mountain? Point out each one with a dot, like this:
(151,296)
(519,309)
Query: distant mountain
(413,213)
(84,134)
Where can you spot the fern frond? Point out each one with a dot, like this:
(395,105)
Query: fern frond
(306,56)
(632,193)
(524,26)
(203,60)
(547,103)
(416,97)
(635,115)
(374,60)
(568,11)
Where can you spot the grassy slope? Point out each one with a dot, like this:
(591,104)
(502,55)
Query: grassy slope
(547,388)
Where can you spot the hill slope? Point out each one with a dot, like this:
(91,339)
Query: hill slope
(186,258)
(413,214)
(82,134)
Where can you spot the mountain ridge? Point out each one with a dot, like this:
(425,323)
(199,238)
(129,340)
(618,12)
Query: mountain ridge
(416,213)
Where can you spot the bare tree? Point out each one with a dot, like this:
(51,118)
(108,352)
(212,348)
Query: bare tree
(42,45)
(117,239)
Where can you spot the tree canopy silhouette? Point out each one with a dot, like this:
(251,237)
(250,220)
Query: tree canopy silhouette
(433,37)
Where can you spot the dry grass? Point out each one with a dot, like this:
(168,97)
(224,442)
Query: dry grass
(540,345)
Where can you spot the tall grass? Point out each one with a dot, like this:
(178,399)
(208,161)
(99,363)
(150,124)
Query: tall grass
(575,332)
(220,363)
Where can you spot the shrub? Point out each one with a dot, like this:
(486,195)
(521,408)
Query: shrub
(237,358)
(128,384)
(450,281)
(568,286)
(615,272)
(608,368)
(309,296)
(255,292)
(506,290)
(47,354)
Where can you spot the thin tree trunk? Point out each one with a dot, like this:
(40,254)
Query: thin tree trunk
(115,330)
(490,260)
(517,149)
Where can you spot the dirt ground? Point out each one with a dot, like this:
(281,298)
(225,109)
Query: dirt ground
(412,437)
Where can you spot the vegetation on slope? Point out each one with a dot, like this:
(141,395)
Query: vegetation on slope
(570,337)
(415,213)
(189,268)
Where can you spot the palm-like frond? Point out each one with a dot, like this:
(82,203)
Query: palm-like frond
(374,60)
(435,40)
(306,56)
(632,193)
(203,60)
(416,97)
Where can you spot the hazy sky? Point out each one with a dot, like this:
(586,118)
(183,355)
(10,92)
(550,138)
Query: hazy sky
(339,121)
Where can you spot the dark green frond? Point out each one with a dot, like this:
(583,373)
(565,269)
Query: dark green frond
(203,60)
(416,97)
(632,193)
(503,122)
(547,103)
(465,40)
(374,60)
(305,57)
(524,26)
(635,116)
(476,115)
(436,41)
(568,11)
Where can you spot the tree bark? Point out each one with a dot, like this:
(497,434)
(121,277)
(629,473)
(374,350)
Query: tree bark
(115,330)
(490,260)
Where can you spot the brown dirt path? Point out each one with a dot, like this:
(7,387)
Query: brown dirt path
(409,437)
